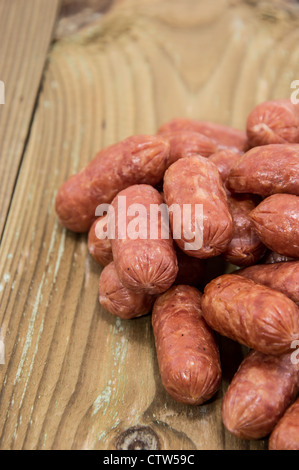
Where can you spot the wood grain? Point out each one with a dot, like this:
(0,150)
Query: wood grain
(76,14)
(26,28)
(76,377)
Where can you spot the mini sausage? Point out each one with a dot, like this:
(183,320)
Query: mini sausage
(286,433)
(144,262)
(245,248)
(267,170)
(225,160)
(261,390)
(276,222)
(189,183)
(120,301)
(138,159)
(252,314)
(188,143)
(192,271)
(188,355)
(224,135)
(100,248)
(273,122)
(280,276)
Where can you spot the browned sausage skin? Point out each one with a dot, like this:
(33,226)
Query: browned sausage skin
(252,314)
(225,160)
(120,301)
(191,271)
(273,122)
(280,276)
(187,353)
(267,170)
(99,248)
(286,433)
(195,181)
(137,159)
(143,264)
(276,222)
(188,143)
(223,135)
(245,248)
(258,395)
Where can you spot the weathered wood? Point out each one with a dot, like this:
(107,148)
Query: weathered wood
(25,33)
(76,377)
(76,14)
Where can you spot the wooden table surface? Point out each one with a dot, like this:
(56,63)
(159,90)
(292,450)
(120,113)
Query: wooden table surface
(79,76)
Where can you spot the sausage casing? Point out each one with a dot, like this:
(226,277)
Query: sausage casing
(191,182)
(120,301)
(145,264)
(187,353)
(267,170)
(137,159)
(225,160)
(282,276)
(100,248)
(188,143)
(245,248)
(276,222)
(225,136)
(285,435)
(273,122)
(252,314)
(261,390)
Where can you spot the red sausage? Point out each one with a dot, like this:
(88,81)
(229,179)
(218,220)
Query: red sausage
(267,170)
(190,183)
(224,135)
(138,159)
(280,276)
(145,264)
(252,314)
(276,222)
(259,394)
(100,249)
(120,301)
(187,353)
(286,433)
(245,248)
(188,143)
(225,160)
(273,122)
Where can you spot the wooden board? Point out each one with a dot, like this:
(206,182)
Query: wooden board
(74,376)
(23,60)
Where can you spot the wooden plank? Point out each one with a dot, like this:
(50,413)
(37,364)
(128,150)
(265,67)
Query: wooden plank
(76,14)
(76,377)
(25,33)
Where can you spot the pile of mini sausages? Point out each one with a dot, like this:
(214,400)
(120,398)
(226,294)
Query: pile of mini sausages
(248,186)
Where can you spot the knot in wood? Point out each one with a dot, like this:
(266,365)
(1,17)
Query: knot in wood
(138,438)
